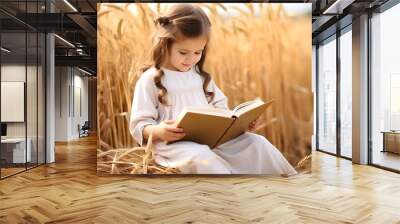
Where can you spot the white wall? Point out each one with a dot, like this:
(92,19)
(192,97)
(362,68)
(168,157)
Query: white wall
(33,127)
(80,83)
(67,115)
(16,73)
(61,103)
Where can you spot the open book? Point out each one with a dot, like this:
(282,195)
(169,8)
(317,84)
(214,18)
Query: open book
(215,126)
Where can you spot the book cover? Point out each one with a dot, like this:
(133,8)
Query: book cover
(214,126)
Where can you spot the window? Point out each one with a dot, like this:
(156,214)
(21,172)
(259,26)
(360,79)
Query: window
(346,93)
(22,75)
(327,96)
(385,88)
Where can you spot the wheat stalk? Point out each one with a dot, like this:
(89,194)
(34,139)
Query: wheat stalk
(256,56)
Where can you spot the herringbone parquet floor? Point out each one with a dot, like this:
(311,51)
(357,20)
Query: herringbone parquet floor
(70,191)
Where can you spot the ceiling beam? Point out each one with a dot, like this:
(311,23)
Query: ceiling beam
(83,23)
(321,22)
(337,7)
(85,61)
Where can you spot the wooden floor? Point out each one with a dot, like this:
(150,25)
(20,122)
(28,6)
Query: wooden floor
(5,172)
(387,159)
(70,191)
(10,171)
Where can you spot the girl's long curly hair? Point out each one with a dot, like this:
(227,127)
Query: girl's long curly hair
(180,21)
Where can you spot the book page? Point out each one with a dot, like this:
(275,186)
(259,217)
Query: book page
(205,110)
(241,106)
(243,120)
(248,106)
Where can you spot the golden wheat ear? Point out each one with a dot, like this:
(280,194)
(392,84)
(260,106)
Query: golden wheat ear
(272,61)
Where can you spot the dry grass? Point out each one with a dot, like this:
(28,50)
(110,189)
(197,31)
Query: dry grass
(267,56)
(136,160)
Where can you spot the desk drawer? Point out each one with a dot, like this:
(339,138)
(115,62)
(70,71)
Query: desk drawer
(15,152)
(392,142)
(6,154)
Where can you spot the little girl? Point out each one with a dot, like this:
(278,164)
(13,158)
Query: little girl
(176,79)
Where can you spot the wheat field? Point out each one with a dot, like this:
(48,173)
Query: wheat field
(265,54)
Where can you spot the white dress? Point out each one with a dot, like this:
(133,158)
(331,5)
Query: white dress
(249,153)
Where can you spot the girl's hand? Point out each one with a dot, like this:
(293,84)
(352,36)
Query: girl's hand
(254,125)
(167,131)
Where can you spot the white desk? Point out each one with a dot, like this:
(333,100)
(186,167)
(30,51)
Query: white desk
(18,150)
